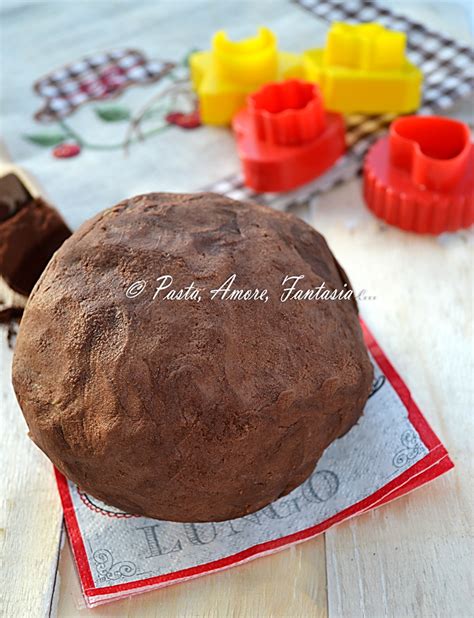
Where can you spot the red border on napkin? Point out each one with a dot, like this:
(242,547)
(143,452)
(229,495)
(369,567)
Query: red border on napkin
(435,463)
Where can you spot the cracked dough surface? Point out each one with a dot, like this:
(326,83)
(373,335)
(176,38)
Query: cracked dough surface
(180,410)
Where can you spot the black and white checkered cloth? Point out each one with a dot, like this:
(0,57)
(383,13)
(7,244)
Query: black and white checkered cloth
(448,75)
(96,77)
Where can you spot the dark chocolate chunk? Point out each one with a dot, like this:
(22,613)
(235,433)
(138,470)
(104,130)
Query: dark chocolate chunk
(28,239)
(13,196)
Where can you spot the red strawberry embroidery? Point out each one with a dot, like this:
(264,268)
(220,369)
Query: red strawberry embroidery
(185,121)
(109,81)
(65,151)
(113,78)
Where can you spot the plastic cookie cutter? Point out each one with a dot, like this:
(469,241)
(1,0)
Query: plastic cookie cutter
(421,177)
(223,76)
(285,138)
(363,69)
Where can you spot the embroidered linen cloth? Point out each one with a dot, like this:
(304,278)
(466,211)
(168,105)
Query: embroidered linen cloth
(78,96)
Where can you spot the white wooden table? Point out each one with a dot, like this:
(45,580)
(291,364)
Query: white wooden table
(411,558)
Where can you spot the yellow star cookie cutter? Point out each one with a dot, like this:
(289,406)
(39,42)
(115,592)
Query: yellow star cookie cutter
(363,69)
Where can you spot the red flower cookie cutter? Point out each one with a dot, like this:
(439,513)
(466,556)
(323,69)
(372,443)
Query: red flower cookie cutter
(285,138)
(420,177)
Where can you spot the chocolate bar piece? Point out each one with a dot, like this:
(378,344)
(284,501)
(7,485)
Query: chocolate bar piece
(13,196)
(30,232)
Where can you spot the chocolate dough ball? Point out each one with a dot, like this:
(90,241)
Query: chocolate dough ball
(178,409)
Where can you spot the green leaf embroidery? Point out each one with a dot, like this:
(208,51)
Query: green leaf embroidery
(46,139)
(114,113)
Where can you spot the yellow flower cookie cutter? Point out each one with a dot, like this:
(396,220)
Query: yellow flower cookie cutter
(225,75)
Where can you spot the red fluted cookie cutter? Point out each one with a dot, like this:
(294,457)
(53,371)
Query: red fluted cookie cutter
(285,138)
(421,177)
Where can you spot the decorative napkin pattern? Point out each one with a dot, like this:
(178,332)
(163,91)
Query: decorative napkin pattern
(391,451)
(448,75)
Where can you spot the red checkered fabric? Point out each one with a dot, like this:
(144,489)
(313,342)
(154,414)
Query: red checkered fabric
(96,77)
